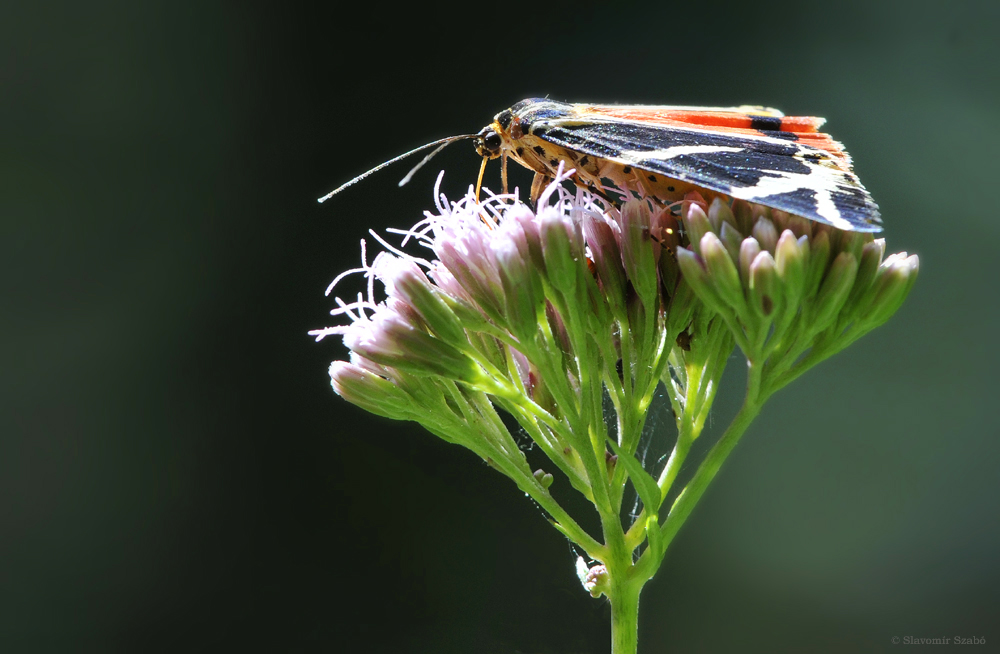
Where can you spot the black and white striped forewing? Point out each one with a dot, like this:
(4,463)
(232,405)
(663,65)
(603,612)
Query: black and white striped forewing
(773,172)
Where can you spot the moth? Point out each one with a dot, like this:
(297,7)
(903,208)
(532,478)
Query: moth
(661,153)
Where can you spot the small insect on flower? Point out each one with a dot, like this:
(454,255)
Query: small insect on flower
(663,152)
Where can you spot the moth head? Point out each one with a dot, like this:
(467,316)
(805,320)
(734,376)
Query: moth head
(488,141)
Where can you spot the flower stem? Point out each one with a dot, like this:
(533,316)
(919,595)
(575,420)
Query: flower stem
(624,596)
(624,586)
(687,500)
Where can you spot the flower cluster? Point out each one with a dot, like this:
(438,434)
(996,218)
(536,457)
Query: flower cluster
(791,291)
(543,314)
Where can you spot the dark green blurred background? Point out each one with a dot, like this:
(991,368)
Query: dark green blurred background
(176,474)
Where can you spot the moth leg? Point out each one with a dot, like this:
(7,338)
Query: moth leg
(503,171)
(648,193)
(538,184)
(644,189)
(598,190)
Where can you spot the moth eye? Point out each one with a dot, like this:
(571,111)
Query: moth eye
(491,141)
(488,143)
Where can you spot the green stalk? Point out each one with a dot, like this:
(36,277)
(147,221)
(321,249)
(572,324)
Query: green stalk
(623,586)
(689,497)
(624,597)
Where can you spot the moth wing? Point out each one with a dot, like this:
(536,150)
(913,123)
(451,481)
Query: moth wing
(745,120)
(649,109)
(775,172)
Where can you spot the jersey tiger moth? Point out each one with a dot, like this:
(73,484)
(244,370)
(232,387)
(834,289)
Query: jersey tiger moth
(755,154)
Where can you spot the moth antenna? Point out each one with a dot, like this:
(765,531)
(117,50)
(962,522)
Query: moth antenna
(447,141)
(440,143)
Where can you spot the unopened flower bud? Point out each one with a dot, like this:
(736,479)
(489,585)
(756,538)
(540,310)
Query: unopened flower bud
(607,260)
(683,303)
(834,290)
(819,257)
(722,271)
(760,212)
(369,391)
(765,294)
(790,262)
(407,281)
(697,225)
(719,214)
(749,249)
(697,277)
(543,478)
(522,288)
(562,260)
(766,234)
(796,224)
(743,213)
(895,279)
(853,242)
(868,265)
(637,250)
(732,239)
(391,341)
(474,268)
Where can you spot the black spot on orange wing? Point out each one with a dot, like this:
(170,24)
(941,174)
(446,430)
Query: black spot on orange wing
(766,123)
(771,126)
